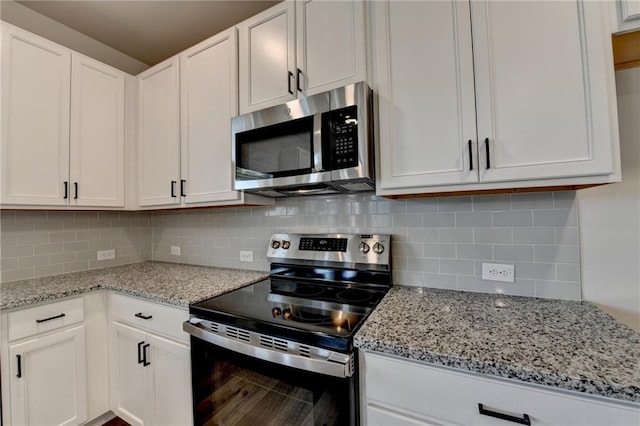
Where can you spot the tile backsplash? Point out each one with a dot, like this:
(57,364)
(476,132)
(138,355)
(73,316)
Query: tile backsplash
(437,242)
(42,243)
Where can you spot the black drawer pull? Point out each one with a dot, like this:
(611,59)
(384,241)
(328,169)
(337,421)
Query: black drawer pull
(486,148)
(470,144)
(140,315)
(298,76)
(140,358)
(19,358)
(525,420)
(173,189)
(182,191)
(144,355)
(66,190)
(50,318)
(289,77)
(75,186)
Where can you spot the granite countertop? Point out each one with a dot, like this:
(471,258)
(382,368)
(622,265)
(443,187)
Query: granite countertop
(567,345)
(171,283)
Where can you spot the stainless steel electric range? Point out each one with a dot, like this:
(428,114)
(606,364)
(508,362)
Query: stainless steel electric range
(280,351)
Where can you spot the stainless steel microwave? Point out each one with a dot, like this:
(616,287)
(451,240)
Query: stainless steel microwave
(321,144)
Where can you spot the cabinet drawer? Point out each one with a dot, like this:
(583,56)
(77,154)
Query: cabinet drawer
(40,319)
(445,396)
(162,319)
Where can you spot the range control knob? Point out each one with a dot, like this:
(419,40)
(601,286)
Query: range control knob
(378,248)
(275,244)
(276,312)
(286,244)
(364,248)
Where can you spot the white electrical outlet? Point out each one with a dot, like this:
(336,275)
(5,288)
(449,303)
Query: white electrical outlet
(498,272)
(246,256)
(175,250)
(106,254)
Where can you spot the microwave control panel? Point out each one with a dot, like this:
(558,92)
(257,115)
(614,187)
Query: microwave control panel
(343,134)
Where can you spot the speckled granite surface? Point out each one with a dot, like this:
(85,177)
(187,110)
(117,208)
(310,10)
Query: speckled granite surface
(170,283)
(568,345)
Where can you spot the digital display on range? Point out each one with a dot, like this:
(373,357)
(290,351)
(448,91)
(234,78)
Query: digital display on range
(323,244)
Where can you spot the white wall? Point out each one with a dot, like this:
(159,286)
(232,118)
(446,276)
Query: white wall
(23,17)
(610,219)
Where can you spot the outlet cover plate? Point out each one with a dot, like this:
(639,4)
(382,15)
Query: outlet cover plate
(106,254)
(175,250)
(498,272)
(246,256)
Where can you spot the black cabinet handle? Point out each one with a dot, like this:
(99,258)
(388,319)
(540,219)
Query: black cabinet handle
(182,191)
(486,148)
(470,144)
(19,358)
(173,188)
(139,315)
(66,190)
(525,420)
(289,83)
(144,355)
(140,358)
(298,76)
(75,188)
(50,318)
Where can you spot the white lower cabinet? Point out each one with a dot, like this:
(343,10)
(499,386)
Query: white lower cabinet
(399,392)
(150,375)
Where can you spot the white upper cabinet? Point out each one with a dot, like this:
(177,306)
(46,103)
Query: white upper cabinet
(626,15)
(299,49)
(159,134)
(36,88)
(97,134)
(209,87)
(62,126)
(268,58)
(545,109)
(331,46)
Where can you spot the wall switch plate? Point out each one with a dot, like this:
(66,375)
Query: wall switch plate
(106,254)
(175,250)
(498,272)
(246,256)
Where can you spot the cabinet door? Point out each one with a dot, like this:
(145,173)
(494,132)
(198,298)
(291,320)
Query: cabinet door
(171,382)
(544,88)
(159,135)
(97,134)
(48,379)
(128,376)
(267,58)
(425,94)
(36,76)
(330,56)
(378,416)
(209,99)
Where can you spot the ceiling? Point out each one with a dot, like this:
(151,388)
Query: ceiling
(148,30)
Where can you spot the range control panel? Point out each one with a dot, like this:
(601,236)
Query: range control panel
(342,248)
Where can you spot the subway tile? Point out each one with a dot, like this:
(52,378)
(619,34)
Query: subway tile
(512,219)
(379,221)
(422,205)
(17,226)
(391,206)
(492,235)
(6,264)
(537,235)
(442,281)
(28,238)
(457,266)
(567,236)
(473,219)
(555,218)
(16,275)
(409,220)
(564,200)
(57,237)
(557,254)
(474,251)
(77,266)
(568,272)
(8,238)
(439,250)
(522,287)
(422,264)
(491,203)
(426,235)
(558,290)
(31,261)
(16,251)
(91,234)
(410,278)
(7,216)
(537,271)
(532,201)
(406,249)
(48,270)
(455,204)
(512,252)
(76,246)
(438,220)
(475,284)
(65,257)
(452,235)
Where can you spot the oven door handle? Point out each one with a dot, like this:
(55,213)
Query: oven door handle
(336,364)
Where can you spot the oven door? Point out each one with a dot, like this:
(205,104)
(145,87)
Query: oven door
(234,388)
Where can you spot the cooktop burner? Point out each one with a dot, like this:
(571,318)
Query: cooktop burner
(321,302)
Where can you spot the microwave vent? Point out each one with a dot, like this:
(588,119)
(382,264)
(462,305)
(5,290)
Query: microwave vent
(357,187)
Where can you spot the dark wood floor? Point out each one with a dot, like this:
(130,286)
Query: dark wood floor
(116,422)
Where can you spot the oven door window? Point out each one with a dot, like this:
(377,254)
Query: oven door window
(284,149)
(234,389)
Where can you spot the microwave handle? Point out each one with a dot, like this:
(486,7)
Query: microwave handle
(317,142)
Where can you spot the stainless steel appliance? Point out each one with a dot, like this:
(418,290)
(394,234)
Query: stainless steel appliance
(281,351)
(321,144)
